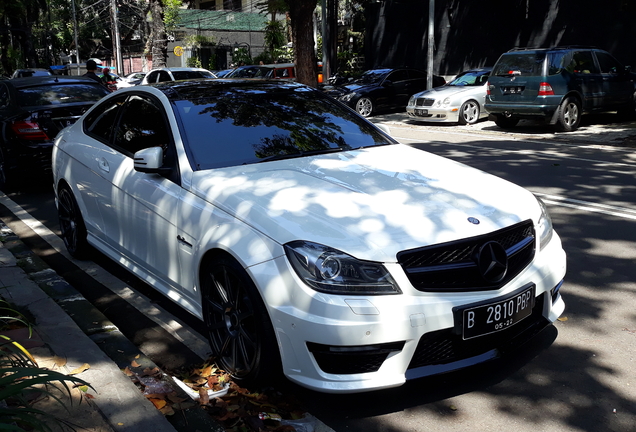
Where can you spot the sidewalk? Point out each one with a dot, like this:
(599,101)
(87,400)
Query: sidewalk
(115,404)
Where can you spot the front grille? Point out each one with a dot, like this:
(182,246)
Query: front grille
(424,102)
(352,359)
(452,266)
(446,346)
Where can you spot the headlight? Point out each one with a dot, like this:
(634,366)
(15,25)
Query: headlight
(348,97)
(332,271)
(411,101)
(544,227)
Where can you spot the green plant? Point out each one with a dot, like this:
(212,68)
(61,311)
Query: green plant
(22,381)
(193,62)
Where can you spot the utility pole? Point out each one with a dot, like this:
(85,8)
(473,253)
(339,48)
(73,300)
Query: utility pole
(116,40)
(77,60)
(431,43)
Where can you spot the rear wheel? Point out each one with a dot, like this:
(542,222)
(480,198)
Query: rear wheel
(364,106)
(506,122)
(569,116)
(72,224)
(469,112)
(239,328)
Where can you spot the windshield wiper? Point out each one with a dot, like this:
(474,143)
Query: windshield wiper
(301,154)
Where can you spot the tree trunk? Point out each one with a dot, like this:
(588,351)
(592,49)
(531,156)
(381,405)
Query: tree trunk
(158,35)
(301,14)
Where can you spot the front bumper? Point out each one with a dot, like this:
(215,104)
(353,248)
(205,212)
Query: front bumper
(449,114)
(347,344)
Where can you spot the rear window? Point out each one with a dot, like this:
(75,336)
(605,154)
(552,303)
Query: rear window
(243,125)
(57,94)
(520,64)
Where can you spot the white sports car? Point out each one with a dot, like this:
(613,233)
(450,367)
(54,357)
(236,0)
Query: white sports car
(307,239)
(458,101)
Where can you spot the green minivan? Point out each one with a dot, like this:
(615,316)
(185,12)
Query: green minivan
(558,85)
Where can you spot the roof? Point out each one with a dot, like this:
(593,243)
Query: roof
(51,79)
(221,20)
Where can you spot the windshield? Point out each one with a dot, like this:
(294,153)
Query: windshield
(250,72)
(470,79)
(238,125)
(372,76)
(57,94)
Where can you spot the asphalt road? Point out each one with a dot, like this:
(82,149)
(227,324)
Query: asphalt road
(578,375)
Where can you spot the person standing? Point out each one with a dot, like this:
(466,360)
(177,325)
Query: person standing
(91,68)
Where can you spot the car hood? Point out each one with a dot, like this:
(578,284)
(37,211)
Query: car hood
(448,91)
(353,87)
(370,203)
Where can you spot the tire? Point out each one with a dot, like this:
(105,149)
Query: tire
(506,122)
(569,115)
(364,107)
(72,225)
(239,329)
(469,112)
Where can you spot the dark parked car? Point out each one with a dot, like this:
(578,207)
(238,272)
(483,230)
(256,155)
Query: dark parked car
(32,112)
(558,85)
(383,89)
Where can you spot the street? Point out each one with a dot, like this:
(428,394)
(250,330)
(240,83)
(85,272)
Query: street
(579,375)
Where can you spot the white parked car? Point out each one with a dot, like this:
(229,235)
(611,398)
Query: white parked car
(175,74)
(458,101)
(307,239)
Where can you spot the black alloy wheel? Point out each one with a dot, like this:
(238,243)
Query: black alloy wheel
(569,116)
(239,328)
(72,224)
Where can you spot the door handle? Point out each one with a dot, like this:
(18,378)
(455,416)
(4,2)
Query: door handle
(103,165)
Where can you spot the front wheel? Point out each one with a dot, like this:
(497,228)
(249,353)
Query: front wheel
(469,112)
(72,224)
(569,116)
(364,106)
(239,329)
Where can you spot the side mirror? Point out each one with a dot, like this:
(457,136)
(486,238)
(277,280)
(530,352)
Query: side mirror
(150,160)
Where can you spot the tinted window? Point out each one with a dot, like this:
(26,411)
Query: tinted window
(415,74)
(164,76)
(584,62)
(142,125)
(521,63)
(557,60)
(152,77)
(242,125)
(56,94)
(608,63)
(396,76)
(184,75)
(99,123)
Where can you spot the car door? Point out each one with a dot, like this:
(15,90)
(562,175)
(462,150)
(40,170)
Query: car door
(139,209)
(616,84)
(395,93)
(587,78)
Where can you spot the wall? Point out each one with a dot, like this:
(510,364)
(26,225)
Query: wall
(472,33)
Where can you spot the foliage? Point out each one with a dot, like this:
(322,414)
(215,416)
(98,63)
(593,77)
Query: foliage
(171,13)
(193,62)
(196,41)
(22,381)
(241,55)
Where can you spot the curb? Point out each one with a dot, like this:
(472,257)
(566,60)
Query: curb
(75,330)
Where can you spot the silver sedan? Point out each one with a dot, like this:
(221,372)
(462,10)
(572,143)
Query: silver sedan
(459,101)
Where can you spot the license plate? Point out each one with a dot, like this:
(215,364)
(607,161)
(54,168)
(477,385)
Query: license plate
(421,112)
(485,318)
(512,90)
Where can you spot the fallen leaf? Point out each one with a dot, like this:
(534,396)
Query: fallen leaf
(83,388)
(167,410)
(128,372)
(90,396)
(158,403)
(80,369)
(563,319)
(206,372)
(137,356)
(453,407)
(134,364)
(59,361)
